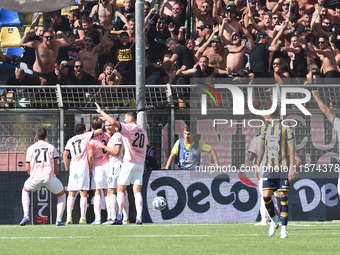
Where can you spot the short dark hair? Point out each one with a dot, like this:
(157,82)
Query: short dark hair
(187,129)
(75,13)
(41,133)
(325,37)
(152,57)
(132,114)
(86,20)
(124,34)
(96,123)
(80,128)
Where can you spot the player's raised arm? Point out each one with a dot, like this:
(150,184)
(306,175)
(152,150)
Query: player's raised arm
(107,117)
(323,107)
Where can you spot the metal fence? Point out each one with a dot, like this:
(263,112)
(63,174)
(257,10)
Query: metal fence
(57,108)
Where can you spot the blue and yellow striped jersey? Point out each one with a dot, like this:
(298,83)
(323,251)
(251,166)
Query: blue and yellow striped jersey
(276,136)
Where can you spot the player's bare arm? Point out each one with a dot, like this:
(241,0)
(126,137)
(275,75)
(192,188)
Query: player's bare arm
(65,159)
(325,110)
(259,159)
(28,167)
(107,117)
(291,173)
(113,151)
(98,131)
(56,166)
(90,157)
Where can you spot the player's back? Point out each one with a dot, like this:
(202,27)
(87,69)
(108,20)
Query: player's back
(78,147)
(41,157)
(135,141)
(101,156)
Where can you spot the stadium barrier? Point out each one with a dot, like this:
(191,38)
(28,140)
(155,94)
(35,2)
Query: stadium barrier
(192,197)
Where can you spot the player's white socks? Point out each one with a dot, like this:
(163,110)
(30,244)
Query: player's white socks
(61,206)
(108,206)
(114,206)
(121,202)
(25,200)
(283,228)
(69,206)
(126,207)
(263,211)
(83,207)
(139,204)
(97,207)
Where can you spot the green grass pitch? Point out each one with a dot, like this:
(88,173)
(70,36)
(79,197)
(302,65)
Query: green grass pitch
(230,238)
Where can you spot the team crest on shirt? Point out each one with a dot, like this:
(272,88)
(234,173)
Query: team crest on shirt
(273,149)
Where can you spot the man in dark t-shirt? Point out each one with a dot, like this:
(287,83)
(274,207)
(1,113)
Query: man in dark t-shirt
(125,58)
(158,36)
(59,22)
(154,74)
(22,78)
(298,58)
(183,57)
(76,76)
(259,55)
(70,52)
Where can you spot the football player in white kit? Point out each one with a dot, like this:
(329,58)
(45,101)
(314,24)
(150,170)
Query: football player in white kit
(79,178)
(98,165)
(42,166)
(135,141)
(115,151)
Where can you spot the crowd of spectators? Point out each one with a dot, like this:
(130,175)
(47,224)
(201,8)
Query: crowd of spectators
(289,41)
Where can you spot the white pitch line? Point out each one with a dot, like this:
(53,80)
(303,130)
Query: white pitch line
(87,237)
(155,236)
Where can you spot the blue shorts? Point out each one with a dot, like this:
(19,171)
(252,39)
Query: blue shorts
(280,184)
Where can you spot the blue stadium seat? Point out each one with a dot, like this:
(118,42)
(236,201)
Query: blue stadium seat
(9,18)
(15,51)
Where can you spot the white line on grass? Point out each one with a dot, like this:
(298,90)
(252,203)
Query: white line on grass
(152,236)
(87,237)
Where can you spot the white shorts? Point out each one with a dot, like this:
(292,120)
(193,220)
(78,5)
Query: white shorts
(79,179)
(99,177)
(113,175)
(54,185)
(131,173)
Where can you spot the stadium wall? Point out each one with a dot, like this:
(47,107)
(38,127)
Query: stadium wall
(192,197)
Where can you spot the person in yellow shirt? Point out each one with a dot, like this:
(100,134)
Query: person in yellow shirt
(189,152)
